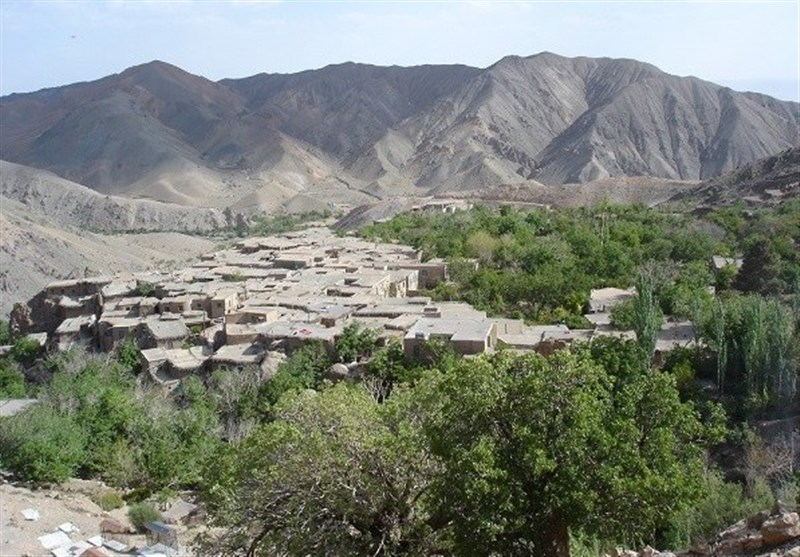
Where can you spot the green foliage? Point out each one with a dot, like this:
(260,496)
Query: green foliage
(622,315)
(355,343)
(42,445)
(756,341)
(142,513)
(25,350)
(335,473)
(302,370)
(128,354)
(5,333)
(139,439)
(12,381)
(539,263)
(722,504)
(145,289)
(532,447)
(646,315)
(109,500)
(266,225)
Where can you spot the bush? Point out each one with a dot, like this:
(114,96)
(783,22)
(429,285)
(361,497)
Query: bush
(12,381)
(41,445)
(25,350)
(5,333)
(142,513)
(109,500)
(722,503)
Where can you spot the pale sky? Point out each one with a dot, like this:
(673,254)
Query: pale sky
(746,45)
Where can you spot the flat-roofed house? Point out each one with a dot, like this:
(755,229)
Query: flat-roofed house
(223,303)
(165,331)
(77,287)
(114,327)
(467,336)
(75,330)
(237,356)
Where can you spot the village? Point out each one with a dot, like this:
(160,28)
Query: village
(234,307)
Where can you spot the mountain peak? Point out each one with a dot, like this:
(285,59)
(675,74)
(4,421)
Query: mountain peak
(546,117)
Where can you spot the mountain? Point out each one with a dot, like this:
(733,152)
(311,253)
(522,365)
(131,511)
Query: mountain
(766,181)
(69,204)
(354,132)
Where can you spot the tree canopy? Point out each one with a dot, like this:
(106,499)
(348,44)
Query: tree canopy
(499,454)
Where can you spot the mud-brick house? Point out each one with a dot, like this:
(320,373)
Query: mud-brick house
(430,273)
(602,300)
(294,260)
(372,281)
(74,331)
(114,327)
(466,336)
(293,335)
(78,287)
(403,281)
(75,306)
(223,303)
(167,367)
(241,333)
(163,331)
(175,304)
(237,356)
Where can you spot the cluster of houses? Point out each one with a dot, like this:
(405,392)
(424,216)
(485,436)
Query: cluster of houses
(235,307)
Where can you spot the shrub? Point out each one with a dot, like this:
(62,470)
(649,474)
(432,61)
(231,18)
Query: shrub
(5,333)
(12,381)
(145,289)
(41,445)
(109,500)
(722,503)
(25,350)
(142,513)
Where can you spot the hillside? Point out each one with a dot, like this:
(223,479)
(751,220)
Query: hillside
(67,203)
(353,132)
(35,250)
(765,181)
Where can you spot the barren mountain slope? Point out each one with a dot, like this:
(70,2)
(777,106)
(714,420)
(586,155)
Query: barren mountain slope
(34,252)
(343,108)
(768,180)
(565,120)
(353,129)
(68,203)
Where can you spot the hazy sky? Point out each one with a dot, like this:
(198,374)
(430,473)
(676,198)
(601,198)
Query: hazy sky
(751,45)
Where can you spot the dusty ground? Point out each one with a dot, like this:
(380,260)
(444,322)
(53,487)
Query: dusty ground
(18,536)
(68,503)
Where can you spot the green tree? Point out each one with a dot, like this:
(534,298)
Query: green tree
(301,370)
(646,314)
(355,342)
(5,333)
(335,473)
(534,447)
(760,268)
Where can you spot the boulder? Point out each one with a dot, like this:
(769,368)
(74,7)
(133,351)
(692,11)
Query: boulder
(700,548)
(337,372)
(780,529)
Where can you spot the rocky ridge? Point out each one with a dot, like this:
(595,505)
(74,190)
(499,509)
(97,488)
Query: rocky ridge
(350,132)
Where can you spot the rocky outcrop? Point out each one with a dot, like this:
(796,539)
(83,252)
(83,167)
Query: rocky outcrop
(773,533)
